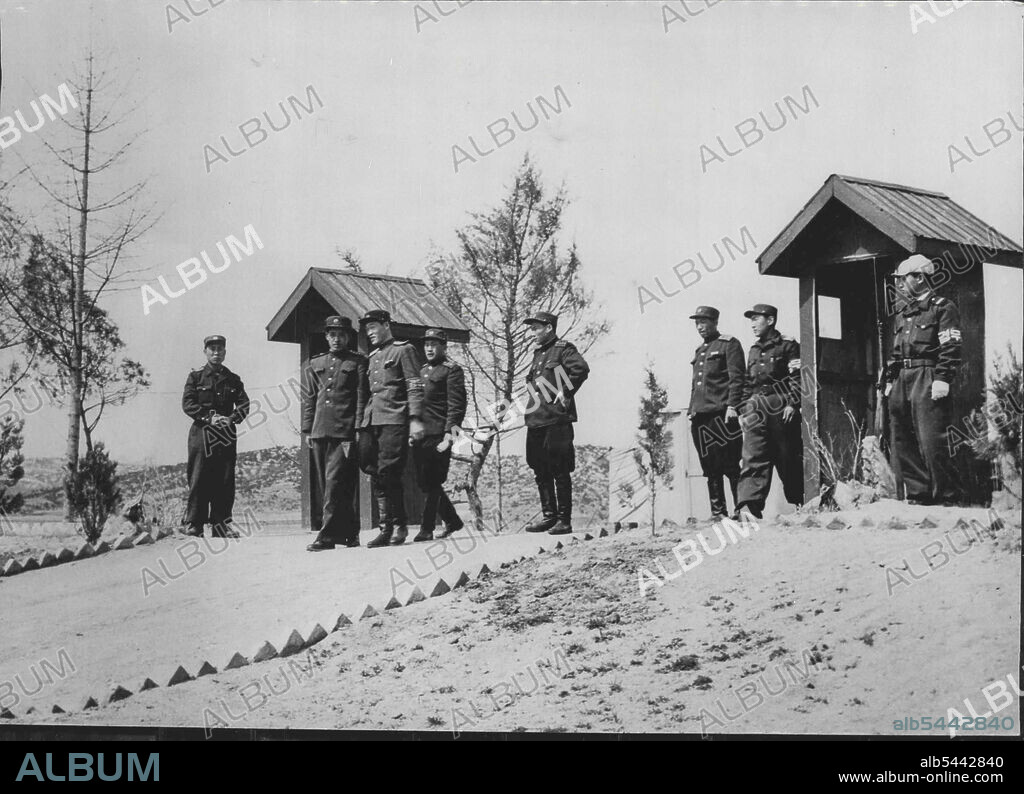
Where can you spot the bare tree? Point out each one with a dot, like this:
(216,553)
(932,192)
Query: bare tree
(510,264)
(95,226)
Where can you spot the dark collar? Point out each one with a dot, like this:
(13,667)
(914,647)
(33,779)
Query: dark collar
(546,345)
(919,304)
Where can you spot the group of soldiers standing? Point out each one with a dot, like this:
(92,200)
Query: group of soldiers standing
(367,413)
(745,415)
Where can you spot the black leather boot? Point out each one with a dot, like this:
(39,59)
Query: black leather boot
(446,512)
(426,533)
(546,489)
(321,543)
(397,503)
(401,533)
(563,497)
(716,495)
(430,503)
(385,522)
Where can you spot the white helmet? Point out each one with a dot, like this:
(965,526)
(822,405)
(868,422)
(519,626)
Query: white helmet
(915,264)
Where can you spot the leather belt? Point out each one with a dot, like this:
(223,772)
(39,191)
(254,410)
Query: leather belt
(909,363)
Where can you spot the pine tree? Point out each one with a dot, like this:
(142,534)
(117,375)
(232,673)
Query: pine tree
(653,453)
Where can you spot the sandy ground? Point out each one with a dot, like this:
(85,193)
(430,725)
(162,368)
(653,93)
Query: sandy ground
(141,612)
(27,538)
(790,630)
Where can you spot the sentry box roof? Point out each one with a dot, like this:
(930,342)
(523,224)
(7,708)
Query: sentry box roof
(413,305)
(893,220)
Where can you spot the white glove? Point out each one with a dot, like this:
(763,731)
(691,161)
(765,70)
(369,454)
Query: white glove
(940,389)
(888,388)
(445,443)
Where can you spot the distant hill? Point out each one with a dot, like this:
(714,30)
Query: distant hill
(519,499)
(269,479)
(41,474)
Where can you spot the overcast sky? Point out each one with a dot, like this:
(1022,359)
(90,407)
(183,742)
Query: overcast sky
(373,168)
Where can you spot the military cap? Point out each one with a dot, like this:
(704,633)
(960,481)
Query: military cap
(707,312)
(436,334)
(337,322)
(915,264)
(762,308)
(542,317)
(216,339)
(375,316)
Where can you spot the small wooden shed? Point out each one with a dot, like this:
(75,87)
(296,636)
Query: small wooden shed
(322,292)
(842,246)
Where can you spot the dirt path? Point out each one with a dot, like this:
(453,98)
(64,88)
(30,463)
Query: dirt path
(141,612)
(804,626)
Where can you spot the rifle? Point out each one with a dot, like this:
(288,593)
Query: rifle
(884,373)
(881,401)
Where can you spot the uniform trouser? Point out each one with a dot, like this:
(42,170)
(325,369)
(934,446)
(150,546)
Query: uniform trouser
(551,455)
(719,448)
(920,457)
(334,488)
(383,451)
(431,472)
(211,476)
(769,443)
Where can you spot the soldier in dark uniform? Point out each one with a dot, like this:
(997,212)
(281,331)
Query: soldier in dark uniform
(556,374)
(715,399)
(215,400)
(392,417)
(771,414)
(925,360)
(444,408)
(334,398)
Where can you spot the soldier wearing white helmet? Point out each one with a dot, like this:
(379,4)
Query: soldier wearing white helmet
(924,362)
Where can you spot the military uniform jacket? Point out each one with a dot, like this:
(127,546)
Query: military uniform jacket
(773,367)
(334,395)
(718,375)
(209,391)
(396,389)
(557,367)
(929,329)
(444,397)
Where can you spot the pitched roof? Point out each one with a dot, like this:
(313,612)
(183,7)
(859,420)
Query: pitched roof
(909,216)
(409,300)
